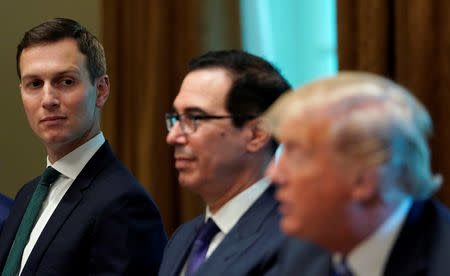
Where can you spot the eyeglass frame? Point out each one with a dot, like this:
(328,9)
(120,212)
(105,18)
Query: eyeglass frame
(172,117)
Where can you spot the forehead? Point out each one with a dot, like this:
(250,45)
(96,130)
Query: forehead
(51,57)
(305,130)
(205,89)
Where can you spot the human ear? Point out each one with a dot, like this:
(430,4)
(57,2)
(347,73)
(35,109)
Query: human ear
(365,185)
(259,137)
(102,89)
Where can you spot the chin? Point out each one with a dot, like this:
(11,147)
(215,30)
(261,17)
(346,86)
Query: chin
(54,140)
(290,227)
(52,135)
(187,181)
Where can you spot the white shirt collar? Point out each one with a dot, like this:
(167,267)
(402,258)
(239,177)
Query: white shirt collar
(369,258)
(72,163)
(232,211)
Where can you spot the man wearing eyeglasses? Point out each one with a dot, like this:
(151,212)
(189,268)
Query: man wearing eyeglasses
(221,152)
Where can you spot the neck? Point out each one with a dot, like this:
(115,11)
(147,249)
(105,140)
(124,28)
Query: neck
(240,184)
(362,222)
(235,181)
(58,151)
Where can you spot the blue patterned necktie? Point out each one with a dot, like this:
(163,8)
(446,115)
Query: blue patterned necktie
(200,247)
(341,268)
(14,259)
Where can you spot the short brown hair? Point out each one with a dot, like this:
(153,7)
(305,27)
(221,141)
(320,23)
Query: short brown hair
(58,29)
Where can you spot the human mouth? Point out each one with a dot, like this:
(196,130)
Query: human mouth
(53,120)
(283,207)
(184,158)
(183,162)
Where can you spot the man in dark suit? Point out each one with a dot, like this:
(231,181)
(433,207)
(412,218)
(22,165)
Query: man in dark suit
(5,206)
(355,178)
(96,218)
(221,153)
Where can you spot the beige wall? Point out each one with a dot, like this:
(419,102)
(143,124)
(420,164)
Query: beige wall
(22,156)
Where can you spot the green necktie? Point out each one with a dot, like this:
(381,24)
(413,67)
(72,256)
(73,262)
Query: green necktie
(14,259)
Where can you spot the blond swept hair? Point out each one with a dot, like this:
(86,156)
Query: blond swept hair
(373,122)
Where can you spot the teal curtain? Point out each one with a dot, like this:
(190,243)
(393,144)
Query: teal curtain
(297,36)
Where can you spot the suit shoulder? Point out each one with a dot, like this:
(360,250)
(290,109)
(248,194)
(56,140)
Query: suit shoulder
(442,224)
(108,187)
(113,179)
(437,236)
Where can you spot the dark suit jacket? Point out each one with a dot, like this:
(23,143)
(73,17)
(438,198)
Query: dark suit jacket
(422,248)
(5,206)
(250,248)
(300,257)
(106,224)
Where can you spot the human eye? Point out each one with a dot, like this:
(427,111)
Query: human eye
(173,117)
(296,153)
(33,84)
(192,115)
(66,82)
(197,117)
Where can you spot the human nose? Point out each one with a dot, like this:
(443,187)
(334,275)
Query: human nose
(50,99)
(176,135)
(273,171)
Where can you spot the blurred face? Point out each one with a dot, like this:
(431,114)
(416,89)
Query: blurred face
(209,158)
(61,103)
(311,191)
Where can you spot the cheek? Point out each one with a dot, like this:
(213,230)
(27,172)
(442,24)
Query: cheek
(301,184)
(305,193)
(31,106)
(81,106)
(208,161)
(297,212)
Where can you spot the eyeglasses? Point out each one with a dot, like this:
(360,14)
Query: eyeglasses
(189,122)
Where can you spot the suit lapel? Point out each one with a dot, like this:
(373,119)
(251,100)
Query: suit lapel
(243,235)
(413,244)
(11,226)
(302,257)
(184,247)
(68,203)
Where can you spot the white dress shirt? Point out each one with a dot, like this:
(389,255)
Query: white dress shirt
(230,213)
(370,257)
(69,166)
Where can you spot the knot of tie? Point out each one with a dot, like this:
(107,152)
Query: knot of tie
(207,232)
(200,246)
(49,176)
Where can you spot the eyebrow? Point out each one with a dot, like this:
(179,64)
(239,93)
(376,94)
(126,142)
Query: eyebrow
(192,110)
(57,75)
(76,72)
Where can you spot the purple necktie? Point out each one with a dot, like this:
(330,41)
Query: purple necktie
(200,246)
